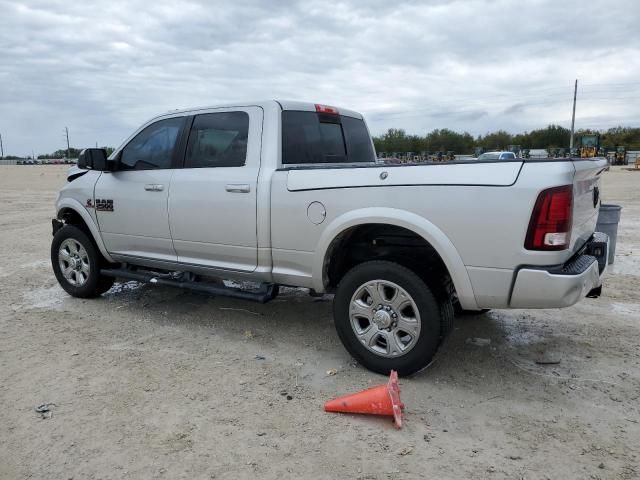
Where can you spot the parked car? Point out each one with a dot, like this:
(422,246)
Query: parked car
(497,156)
(290,193)
(538,153)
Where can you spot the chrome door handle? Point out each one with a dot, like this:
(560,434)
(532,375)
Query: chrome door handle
(154,187)
(237,188)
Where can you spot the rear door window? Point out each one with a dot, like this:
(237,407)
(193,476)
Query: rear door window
(310,137)
(218,140)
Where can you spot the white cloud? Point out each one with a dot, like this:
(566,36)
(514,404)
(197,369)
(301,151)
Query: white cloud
(104,67)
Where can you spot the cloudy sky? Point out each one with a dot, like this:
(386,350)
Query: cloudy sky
(104,67)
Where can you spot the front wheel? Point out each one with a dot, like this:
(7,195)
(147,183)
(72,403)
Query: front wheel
(388,318)
(76,263)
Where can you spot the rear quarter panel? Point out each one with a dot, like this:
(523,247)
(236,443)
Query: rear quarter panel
(485,223)
(481,210)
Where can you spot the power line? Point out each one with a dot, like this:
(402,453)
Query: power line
(519,99)
(483,107)
(610,84)
(445,101)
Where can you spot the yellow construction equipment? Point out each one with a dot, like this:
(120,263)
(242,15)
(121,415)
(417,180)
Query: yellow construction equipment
(620,156)
(589,145)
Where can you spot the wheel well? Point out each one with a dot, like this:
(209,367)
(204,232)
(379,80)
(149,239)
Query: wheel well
(70,217)
(379,241)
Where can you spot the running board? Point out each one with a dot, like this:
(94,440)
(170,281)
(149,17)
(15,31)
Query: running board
(267,291)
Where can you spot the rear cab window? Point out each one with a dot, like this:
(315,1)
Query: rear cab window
(323,138)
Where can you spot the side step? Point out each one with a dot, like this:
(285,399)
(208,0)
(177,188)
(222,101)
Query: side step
(267,291)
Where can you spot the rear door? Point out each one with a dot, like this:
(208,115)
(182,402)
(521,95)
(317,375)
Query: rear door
(131,202)
(212,202)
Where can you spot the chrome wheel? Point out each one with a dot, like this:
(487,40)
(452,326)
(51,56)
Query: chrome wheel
(384,318)
(74,262)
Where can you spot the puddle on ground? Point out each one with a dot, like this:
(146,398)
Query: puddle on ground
(626,264)
(516,336)
(44,297)
(36,264)
(523,338)
(31,265)
(121,287)
(631,309)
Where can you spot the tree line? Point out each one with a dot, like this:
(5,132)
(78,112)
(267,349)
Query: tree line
(444,140)
(62,153)
(72,153)
(553,136)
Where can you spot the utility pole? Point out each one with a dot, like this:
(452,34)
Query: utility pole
(573,117)
(1,147)
(66,131)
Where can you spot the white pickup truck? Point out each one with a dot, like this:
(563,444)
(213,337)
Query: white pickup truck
(290,193)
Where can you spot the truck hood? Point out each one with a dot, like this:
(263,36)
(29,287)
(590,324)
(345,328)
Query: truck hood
(75,172)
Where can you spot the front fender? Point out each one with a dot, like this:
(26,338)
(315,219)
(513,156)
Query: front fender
(400,218)
(75,205)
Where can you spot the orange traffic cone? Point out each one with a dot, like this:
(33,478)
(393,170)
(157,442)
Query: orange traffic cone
(380,400)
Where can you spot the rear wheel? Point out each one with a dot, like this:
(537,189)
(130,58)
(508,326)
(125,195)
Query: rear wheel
(388,318)
(76,263)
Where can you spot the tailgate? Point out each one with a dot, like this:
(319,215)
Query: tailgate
(586,198)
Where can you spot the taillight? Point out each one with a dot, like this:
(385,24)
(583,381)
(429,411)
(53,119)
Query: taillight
(550,225)
(326,109)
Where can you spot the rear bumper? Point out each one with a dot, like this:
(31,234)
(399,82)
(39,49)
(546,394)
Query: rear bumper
(562,286)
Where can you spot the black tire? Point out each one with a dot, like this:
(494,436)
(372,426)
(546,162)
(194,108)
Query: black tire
(95,284)
(431,311)
(447,313)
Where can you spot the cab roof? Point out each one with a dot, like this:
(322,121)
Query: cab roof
(283,104)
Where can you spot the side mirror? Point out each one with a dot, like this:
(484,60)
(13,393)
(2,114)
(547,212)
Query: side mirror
(93,159)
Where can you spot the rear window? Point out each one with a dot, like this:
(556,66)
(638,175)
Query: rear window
(489,156)
(310,137)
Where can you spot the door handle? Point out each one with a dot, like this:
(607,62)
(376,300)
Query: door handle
(238,188)
(154,187)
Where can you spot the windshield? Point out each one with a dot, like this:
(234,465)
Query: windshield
(489,156)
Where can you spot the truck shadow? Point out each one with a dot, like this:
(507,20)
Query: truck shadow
(295,321)
(526,348)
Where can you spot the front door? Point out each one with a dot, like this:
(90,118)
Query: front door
(131,202)
(212,201)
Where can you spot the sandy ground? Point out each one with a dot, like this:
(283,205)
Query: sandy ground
(151,382)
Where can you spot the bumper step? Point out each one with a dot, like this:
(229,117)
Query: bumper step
(576,266)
